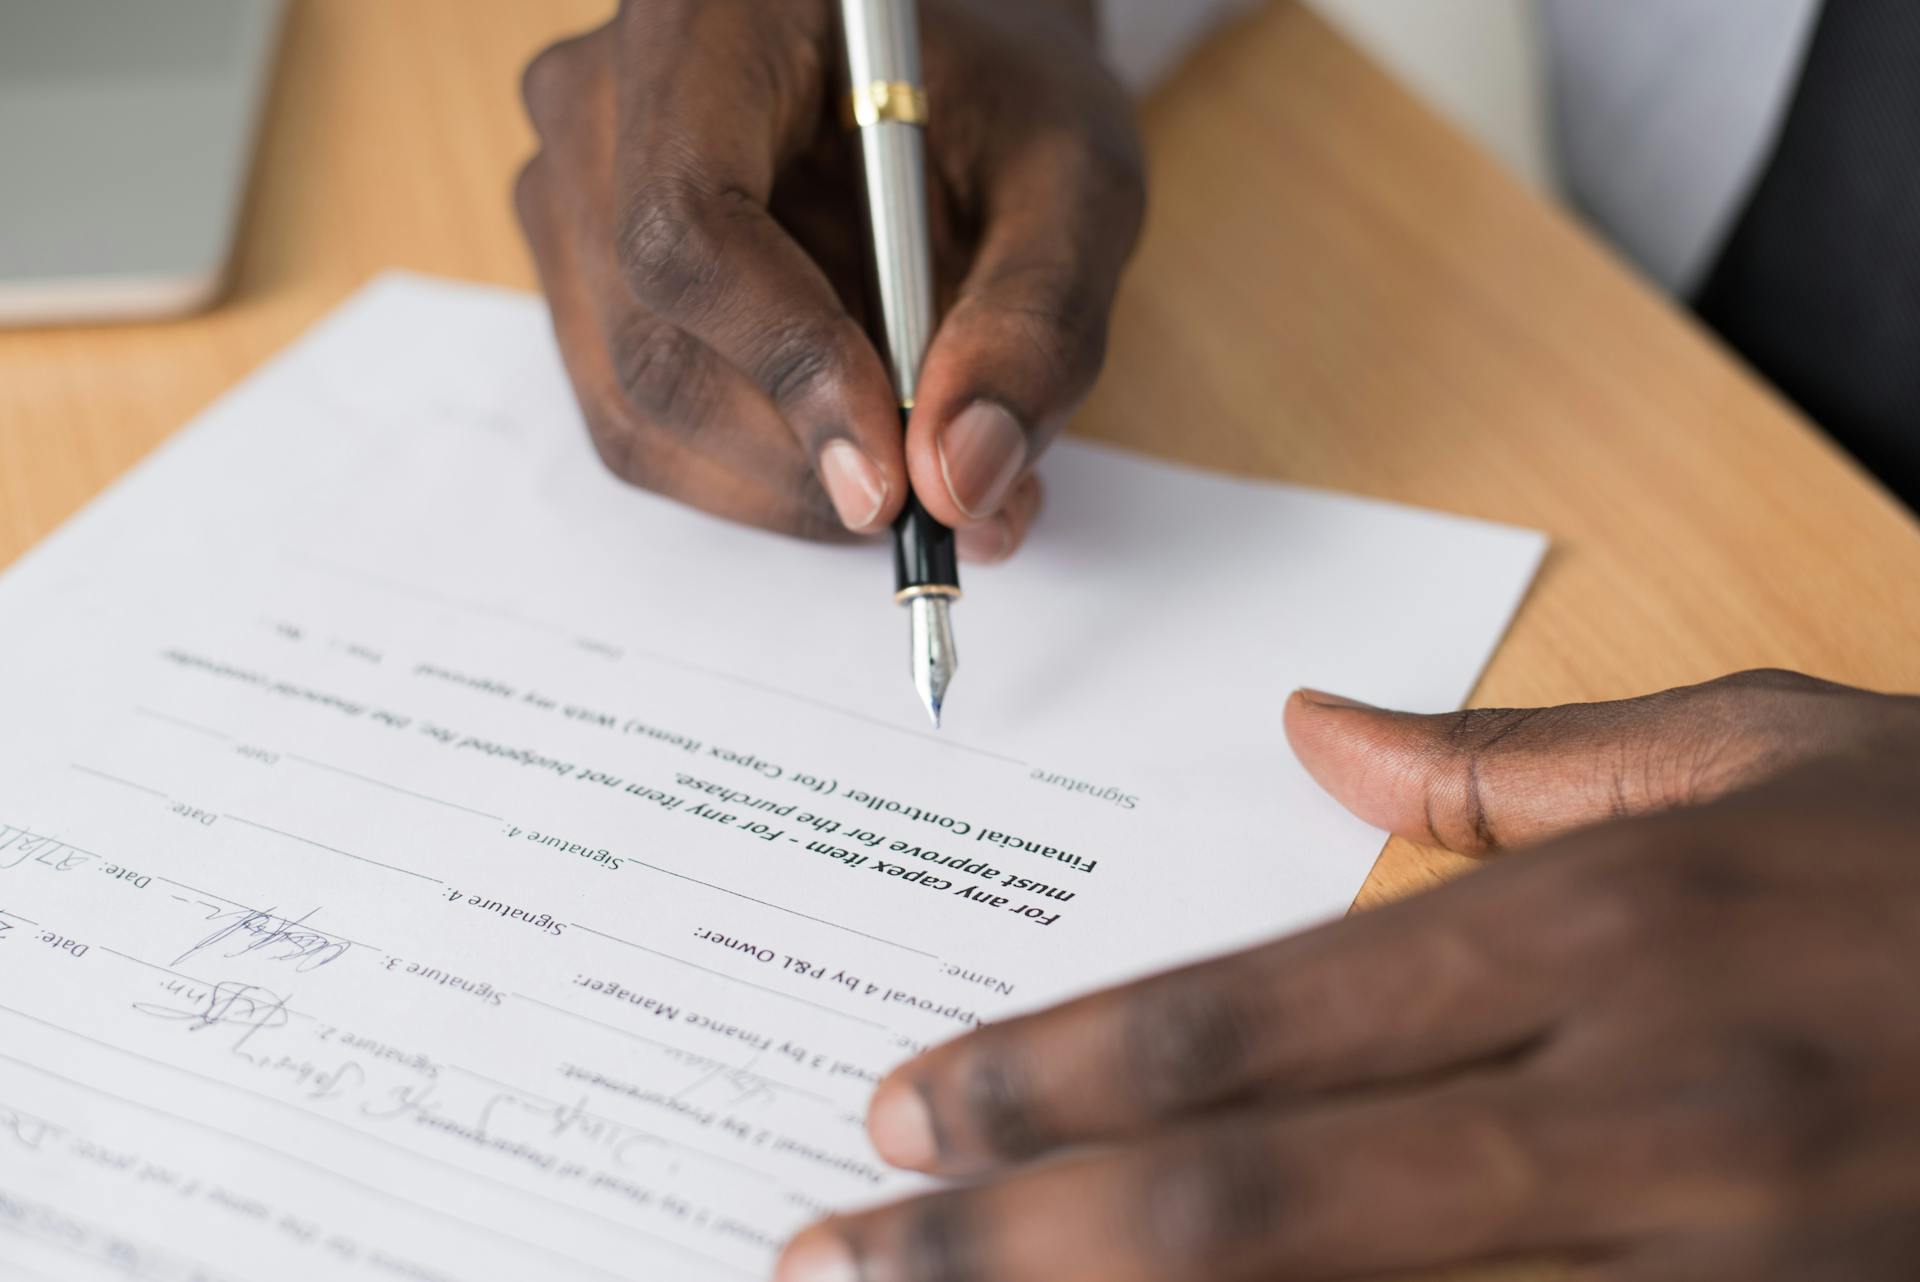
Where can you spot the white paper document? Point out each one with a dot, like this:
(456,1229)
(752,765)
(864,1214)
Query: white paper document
(424,857)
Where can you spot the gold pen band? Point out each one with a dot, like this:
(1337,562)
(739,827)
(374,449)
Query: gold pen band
(947,590)
(885,102)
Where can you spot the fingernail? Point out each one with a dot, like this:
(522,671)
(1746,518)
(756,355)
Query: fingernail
(987,542)
(981,452)
(854,484)
(1321,699)
(901,1127)
(817,1256)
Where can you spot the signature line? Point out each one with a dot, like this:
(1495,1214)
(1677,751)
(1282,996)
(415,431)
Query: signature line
(390,787)
(124,783)
(385,1194)
(331,849)
(651,1136)
(735,979)
(183,723)
(782,908)
(669,1046)
(651,656)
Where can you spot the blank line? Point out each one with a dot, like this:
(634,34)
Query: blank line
(755,1073)
(782,908)
(208,893)
(124,783)
(222,898)
(390,787)
(735,979)
(387,1194)
(150,966)
(17,917)
(193,979)
(498,612)
(183,723)
(918,735)
(330,849)
(429,594)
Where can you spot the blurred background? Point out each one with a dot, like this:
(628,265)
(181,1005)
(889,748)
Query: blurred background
(1478,62)
(157,155)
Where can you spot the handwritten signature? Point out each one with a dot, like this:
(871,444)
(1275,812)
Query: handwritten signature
(230,1003)
(513,1122)
(28,1131)
(562,1121)
(745,1085)
(277,937)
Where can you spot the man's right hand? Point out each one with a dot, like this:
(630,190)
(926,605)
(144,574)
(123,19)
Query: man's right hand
(695,214)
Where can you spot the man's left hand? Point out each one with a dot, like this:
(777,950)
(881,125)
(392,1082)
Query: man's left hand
(1681,1040)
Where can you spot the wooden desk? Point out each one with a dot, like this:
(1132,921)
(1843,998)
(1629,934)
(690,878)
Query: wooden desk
(1335,289)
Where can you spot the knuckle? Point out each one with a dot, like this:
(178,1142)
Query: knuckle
(1649,909)
(547,80)
(666,247)
(1053,312)
(943,1241)
(1113,169)
(1460,810)
(1205,1204)
(1771,1118)
(617,441)
(1783,1092)
(1708,878)
(799,355)
(1495,1142)
(1685,875)
(663,374)
(1619,910)
(999,1102)
(1726,730)
(1187,1042)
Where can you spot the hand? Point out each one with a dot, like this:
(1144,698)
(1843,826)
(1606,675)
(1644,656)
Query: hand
(1679,1046)
(694,212)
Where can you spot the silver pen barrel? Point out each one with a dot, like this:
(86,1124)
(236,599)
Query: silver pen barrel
(887,106)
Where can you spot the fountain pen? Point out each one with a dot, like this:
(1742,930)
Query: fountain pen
(886,106)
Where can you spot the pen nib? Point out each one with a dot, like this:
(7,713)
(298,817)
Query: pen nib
(934,658)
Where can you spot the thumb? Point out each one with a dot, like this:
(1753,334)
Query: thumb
(1025,337)
(1486,779)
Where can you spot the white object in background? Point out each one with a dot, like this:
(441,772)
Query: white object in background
(422,855)
(1478,62)
(126,131)
(1666,115)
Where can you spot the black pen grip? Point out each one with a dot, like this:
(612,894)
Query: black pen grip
(923,552)
(923,555)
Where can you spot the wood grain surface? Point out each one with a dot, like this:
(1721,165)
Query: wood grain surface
(1335,289)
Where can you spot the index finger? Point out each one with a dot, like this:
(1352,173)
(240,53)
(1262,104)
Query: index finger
(1027,334)
(717,95)
(1451,978)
